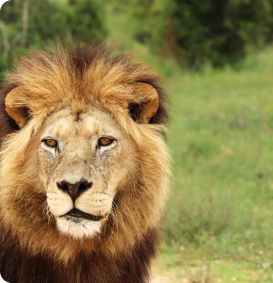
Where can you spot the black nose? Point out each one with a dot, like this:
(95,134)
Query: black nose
(74,190)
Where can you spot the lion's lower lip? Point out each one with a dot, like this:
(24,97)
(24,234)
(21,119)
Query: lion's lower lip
(80,214)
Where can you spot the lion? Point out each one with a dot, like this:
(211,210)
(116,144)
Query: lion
(84,167)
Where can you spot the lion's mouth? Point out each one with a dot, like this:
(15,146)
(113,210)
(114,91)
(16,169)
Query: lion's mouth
(80,214)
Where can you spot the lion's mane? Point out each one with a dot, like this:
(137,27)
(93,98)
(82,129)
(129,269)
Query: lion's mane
(31,249)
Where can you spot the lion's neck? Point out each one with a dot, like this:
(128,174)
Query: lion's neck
(18,267)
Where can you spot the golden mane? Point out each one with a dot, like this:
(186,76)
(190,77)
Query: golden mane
(31,249)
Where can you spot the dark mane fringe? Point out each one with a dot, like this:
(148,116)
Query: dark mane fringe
(8,125)
(42,269)
(130,267)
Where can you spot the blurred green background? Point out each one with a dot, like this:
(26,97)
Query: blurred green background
(217,58)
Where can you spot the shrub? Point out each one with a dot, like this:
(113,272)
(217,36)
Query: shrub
(36,24)
(220,31)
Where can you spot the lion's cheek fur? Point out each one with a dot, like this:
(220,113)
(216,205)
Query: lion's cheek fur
(76,97)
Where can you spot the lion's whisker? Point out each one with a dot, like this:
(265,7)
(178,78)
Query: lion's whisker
(47,212)
(111,219)
(107,194)
(87,160)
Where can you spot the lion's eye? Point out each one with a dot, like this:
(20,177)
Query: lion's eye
(104,141)
(50,142)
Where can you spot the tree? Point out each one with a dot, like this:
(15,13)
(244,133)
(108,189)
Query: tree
(39,24)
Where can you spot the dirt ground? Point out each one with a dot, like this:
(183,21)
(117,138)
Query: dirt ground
(160,279)
(167,278)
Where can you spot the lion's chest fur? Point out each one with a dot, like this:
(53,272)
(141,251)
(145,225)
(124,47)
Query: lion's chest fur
(18,266)
(98,221)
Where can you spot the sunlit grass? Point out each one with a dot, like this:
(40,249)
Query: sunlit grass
(221,139)
(218,224)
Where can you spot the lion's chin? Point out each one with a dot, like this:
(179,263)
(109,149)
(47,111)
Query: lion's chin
(78,227)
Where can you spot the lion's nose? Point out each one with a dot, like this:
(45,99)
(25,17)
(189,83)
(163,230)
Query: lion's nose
(74,190)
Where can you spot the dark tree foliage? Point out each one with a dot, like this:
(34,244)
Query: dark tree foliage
(220,31)
(32,24)
(87,18)
(194,31)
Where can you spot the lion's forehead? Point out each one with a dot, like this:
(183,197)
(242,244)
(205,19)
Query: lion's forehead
(69,127)
(66,124)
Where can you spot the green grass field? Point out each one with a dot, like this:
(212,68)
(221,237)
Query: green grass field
(218,224)
(219,218)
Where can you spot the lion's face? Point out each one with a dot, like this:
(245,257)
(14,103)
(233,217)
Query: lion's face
(84,159)
(84,168)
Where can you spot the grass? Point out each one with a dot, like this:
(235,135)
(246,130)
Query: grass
(218,224)
(220,209)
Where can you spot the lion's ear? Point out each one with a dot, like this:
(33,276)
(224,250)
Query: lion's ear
(145,103)
(16,107)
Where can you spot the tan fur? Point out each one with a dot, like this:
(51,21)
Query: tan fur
(51,95)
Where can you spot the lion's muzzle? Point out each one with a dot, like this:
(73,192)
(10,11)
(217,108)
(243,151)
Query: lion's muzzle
(76,189)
